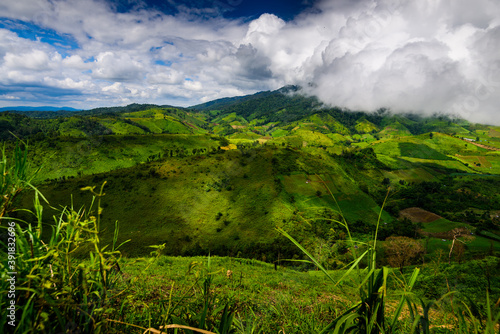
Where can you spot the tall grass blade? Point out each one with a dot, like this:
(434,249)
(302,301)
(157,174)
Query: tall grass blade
(334,323)
(353,266)
(399,308)
(313,259)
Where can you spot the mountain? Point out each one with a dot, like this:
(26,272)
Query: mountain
(54,112)
(125,109)
(266,106)
(41,112)
(46,108)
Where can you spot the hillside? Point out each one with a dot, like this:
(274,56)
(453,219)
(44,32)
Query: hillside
(221,176)
(192,217)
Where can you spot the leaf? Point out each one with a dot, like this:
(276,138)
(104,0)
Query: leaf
(280,230)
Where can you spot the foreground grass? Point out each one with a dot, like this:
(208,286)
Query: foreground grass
(272,300)
(265,299)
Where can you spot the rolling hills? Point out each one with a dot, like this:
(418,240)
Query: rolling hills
(219,177)
(165,217)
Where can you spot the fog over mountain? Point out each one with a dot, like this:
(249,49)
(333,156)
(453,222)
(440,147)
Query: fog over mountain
(426,56)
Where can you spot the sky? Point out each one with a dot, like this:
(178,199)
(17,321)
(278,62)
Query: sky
(426,56)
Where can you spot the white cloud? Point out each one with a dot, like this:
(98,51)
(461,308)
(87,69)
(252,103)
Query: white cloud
(426,56)
(193,85)
(26,10)
(76,62)
(165,76)
(69,83)
(36,60)
(265,25)
(117,67)
(9,97)
(116,88)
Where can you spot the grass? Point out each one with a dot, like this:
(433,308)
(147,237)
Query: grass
(121,128)
(479,245)
(178,192)
(360,207)
(188,194)
(314,138)
(482,244)
(440,147)
(420,151)
(69,156)
(242,136)
(410,175)
(253,193)
(279,133)
(442,225)
(275,297)
(368,314)
(395,130)
(107,293)
(365,126)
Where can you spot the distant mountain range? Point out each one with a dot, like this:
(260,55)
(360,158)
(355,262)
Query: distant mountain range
(45,108)
(51,112)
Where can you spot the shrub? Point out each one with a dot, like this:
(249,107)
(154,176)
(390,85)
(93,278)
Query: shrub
(402,251)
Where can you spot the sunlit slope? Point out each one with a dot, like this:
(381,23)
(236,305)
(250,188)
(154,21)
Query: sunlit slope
(70,157)
(221,202)
(434,150)
(128,121)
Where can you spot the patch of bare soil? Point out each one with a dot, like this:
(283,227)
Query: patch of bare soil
(485,146)
(419,215)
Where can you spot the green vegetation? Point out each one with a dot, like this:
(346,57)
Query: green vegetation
(243,200)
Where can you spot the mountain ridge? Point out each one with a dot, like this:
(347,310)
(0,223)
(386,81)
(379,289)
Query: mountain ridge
(43,108)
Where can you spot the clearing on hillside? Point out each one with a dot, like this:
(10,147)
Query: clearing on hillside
(419,215)
(475,159)
(494,133)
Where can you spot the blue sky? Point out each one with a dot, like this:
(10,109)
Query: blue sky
(427,56)
(234,9)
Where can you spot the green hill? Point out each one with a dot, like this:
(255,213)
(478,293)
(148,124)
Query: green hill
(200,179)
(395,129)
(365,126)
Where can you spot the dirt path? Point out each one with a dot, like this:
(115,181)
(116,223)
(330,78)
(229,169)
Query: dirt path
(483,146)
(478,145)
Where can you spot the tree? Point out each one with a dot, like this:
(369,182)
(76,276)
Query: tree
(401,251)
(223,141)
(465,235)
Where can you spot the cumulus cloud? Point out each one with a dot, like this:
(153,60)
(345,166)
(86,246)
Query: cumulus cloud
(427,56)
(146,51)
(117,67)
